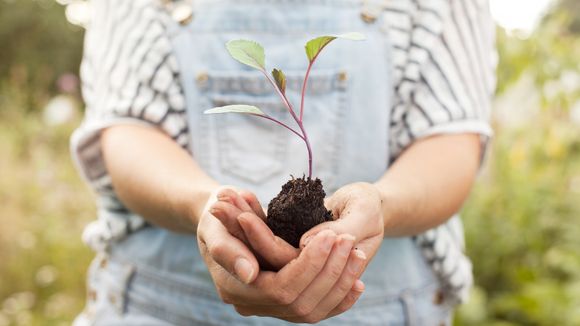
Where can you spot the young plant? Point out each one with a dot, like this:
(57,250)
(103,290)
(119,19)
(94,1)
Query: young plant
(306,201)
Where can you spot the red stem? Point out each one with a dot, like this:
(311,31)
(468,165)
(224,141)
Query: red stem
(304,135)
(304,87)
(307,142)
(278,122)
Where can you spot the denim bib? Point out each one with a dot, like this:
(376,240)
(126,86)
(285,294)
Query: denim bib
(347,118)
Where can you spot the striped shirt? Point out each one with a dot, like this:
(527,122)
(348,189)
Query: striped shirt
(443,63)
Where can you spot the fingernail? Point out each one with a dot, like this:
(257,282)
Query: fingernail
(359,286)
(213,211)
(347,236)
(244,270)
(356,264)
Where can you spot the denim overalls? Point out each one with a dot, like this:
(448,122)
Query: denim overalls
(156,277)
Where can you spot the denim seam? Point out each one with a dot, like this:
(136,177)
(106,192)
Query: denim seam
(173,317)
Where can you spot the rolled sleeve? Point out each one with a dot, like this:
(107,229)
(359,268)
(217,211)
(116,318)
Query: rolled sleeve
(129,76)
(448,81)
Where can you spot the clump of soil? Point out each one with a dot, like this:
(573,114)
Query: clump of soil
(298,207)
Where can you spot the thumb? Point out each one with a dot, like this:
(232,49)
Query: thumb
(219,246)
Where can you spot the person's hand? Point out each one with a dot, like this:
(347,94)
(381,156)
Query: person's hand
(243,216)
(321,282)
(357,210)
(318,283)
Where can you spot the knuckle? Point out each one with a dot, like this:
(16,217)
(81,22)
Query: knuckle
(301,310)
(344,286)
(334,273)
(314,258)
(217,249)
(283,297)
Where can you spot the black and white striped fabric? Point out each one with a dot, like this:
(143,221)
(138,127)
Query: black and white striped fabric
(444,72)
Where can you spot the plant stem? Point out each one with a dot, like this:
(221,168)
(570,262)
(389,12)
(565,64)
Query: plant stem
(282,95)
(307,142)
(304,135)
(278,122)
(304,87)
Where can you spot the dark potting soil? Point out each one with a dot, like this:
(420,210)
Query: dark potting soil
(298,207)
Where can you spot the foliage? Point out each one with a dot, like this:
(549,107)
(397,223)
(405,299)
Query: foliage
(522,229)
(44,206)
(37,45)
(522,219)
(251,53)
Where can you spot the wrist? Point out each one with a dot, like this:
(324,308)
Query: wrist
(392,207)
(199,201)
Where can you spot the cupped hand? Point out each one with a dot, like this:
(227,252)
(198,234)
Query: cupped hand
(315,283)
(357,210)
(243,216)
(319,283)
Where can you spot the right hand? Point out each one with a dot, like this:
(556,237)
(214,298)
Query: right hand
(319,282)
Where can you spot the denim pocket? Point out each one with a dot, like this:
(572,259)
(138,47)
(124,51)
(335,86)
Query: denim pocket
(255,149)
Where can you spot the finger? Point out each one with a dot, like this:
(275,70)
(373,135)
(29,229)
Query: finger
(343,286)
(254,203)
(352,297)
(227,214)
(230,195)
(349,221)
(282,288)
(283,313)
(299,273)
(227,250)
(325,282)
(272,249)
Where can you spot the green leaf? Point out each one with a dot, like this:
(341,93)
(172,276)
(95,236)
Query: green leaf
(235,108)
(280,79)
(314,46)
(247,52)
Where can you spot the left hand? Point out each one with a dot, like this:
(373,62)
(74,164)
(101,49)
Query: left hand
(357,210)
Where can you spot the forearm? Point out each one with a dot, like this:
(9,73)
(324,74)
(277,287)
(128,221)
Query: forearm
(155,178)
(428,183)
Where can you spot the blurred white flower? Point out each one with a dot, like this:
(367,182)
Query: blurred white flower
(575,113)
(519,105)
(46,275)
(26,240)
(552,88)
(17,302)
(58,305)
(60,109)
(570,81)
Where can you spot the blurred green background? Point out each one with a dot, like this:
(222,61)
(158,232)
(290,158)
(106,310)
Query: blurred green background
(522,220)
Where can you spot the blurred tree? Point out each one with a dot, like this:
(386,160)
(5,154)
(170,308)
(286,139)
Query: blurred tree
(567,11)
(522,221)
(38,45)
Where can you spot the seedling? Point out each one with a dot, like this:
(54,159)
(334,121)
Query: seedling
(307,202)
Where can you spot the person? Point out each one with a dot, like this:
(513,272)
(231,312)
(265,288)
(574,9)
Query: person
(398,124)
